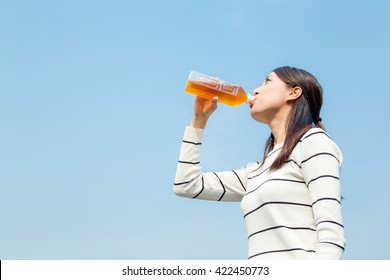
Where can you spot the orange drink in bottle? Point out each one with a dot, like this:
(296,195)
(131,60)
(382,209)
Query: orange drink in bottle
(207,87)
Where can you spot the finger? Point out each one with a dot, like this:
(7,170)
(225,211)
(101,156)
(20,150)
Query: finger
(213,105)
(215,100)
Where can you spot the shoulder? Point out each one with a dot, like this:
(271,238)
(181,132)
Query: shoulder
(317,141)
(315,133)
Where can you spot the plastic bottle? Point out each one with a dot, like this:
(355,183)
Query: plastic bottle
(207,87)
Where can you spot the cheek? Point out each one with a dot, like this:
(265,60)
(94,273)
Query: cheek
(265,106)
(265,101)
(274,97)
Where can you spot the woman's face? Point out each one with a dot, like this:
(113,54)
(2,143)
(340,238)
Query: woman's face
(270,99)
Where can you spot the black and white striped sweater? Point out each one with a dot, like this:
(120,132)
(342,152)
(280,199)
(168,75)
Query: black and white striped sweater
(291,213)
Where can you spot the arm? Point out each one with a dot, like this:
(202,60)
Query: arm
(321,162)
(191,182)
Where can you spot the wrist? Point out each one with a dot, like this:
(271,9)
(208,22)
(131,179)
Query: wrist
(198,122)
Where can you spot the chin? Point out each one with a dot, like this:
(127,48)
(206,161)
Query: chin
(257,116)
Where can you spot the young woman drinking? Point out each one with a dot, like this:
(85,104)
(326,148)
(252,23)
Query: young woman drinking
(290,199)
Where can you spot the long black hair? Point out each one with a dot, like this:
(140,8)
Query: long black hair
(305,112)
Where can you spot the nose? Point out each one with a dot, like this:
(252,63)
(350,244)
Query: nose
(256,91)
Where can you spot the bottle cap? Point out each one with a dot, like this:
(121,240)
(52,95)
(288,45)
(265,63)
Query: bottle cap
(249,98)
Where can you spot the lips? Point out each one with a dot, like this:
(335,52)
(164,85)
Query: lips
(252,103)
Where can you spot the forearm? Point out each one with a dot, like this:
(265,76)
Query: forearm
(191,182)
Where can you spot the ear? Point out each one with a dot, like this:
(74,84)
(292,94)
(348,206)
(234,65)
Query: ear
(294,93)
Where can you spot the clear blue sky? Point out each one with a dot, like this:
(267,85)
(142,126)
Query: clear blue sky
(92,111)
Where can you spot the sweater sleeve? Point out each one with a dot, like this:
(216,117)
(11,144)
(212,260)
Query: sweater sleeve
(191,182)
(321,162)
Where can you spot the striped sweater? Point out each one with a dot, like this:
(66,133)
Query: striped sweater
(291,213)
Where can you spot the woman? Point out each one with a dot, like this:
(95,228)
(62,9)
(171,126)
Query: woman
(291,199)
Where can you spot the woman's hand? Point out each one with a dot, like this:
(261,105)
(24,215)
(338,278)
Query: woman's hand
(203,108)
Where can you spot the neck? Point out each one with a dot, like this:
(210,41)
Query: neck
(278,127)
(279,133)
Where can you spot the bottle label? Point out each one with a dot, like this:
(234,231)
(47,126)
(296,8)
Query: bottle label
(209,82)
(218,85)
(229,88)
